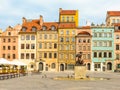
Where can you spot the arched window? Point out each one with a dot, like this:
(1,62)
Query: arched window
(53,28)
(34,28)
(24,29)
(53,65)
(44,28)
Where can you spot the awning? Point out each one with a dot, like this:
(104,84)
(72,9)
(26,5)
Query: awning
(17,62)
(5,61)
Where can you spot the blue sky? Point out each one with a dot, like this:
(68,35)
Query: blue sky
(12,11)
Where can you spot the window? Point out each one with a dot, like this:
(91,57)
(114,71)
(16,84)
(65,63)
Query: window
(73,39)
(55,45)
(14,56)
(84,56)
(32,46)
(55,36)
(34,29)
(118,21)
(84,41)
(44,28)
(9,33)
(67,19)
(95,44)
(50,55)
(72,18)
(117,56)
(61,32)
(61,47)
(100,54)
(22,55)
(105,44)
(45,55)
(110,43)
(40,36)
(32,56)
(100,34)
(50,45)
(105,34)
(55,55)
(45,45)
(50,36)
(67,47)
(4,40)
(110,54)
(22,37)
(8,56)
(27,46)
(117,47)
(31,66)
(73,47)
(8,47)
(79,40)
(61,56)
(116,27)
(88,56)
(95,34)
(73,32)
(9,40)
(22,46)
(32,37)
(40,45)
(61,39)
(45,36)
(88,40)
(105,54)
(24,29)
(117,37)
(53,65)
(67,39)
(67,32)
(63,19)
(113,21)
(84,48)
(100,44)
(3,55)
(27,37)
(95,54)
(88,47)
(27,56)
(110,34)
(14,47)
(4,48)
(53,28)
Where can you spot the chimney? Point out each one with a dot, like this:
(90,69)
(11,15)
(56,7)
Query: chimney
(88,23)
(60,9)
(41,20)
(24,20)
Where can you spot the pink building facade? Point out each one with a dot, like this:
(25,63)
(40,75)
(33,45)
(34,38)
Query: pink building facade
(9,43)
(83,44)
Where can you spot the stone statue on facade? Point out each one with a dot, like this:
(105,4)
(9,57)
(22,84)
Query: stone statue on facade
(79,61)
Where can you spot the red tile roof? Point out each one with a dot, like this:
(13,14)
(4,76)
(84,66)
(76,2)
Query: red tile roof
(84,33)
(113,13)
(67,25)
(67,12)
(86,27)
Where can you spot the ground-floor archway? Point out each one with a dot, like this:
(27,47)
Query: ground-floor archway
(41,66)
(61,67)
(88,66)
(109,66)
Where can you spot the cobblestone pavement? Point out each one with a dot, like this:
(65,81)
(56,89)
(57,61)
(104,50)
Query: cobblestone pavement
(39,82)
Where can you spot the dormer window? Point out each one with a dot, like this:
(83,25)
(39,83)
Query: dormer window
(44,28)
(53,28)
(34,29)
(24,29)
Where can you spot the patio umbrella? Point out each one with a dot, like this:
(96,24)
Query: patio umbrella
(17,62)
(5,61)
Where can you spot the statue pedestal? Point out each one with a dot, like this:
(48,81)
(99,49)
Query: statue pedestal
(80,72)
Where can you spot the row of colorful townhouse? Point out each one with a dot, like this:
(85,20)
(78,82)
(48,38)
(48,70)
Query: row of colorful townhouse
(52,46)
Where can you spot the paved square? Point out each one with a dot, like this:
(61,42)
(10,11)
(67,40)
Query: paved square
(36,82)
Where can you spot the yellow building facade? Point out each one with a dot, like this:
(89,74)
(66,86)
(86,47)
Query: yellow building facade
(47,47)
